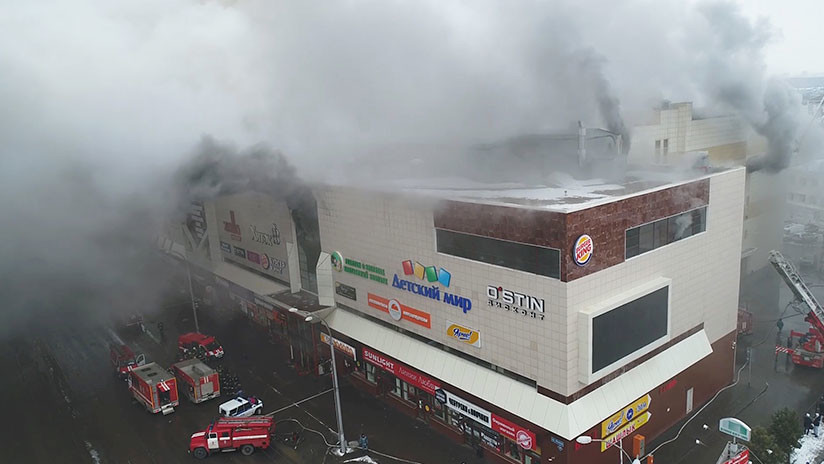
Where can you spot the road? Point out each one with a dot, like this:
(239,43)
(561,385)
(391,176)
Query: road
(68,406)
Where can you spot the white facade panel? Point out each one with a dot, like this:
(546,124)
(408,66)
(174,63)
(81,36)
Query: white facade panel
(380,232)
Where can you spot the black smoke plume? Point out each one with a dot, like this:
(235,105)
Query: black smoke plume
(216,169)
(609,106)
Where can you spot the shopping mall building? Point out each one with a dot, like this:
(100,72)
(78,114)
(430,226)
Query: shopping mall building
(510,319)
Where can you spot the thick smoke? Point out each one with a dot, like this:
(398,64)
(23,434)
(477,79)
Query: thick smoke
(73,253)
(780,127)
(735,77)
(609,106)
(101,102)
(216,169)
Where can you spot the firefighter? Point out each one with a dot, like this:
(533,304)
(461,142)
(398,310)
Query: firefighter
(161,332)
(780,325)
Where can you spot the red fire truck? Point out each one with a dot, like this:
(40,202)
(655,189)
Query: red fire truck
(198,381)
(124,360)
(806,348)
(155,388)
(231,434)
(200,342)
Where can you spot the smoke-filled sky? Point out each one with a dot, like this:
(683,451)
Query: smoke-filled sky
(138,82)
(101,101)
(796,48)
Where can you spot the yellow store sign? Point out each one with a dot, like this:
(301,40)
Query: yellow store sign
(626,430)
(463,334)
(624,416)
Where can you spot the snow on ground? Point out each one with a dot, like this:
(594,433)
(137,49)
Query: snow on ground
(365,459)
(93,453)
(811,448)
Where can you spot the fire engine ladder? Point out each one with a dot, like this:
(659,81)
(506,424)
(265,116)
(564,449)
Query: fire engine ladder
(799,288)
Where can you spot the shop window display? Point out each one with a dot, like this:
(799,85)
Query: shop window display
(370,372)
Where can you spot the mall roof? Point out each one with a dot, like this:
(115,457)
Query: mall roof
(565,194)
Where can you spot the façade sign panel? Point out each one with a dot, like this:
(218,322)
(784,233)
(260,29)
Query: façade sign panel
(253,231)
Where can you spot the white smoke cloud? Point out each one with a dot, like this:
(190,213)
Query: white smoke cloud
(101,101)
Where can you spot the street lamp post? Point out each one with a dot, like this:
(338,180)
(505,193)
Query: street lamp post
(313,320)
(191,291)
(586,439)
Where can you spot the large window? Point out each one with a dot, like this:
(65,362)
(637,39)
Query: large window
(529,258)
(664,231)
(622,331)
(370,372)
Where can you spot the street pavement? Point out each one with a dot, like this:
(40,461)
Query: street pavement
(68,406)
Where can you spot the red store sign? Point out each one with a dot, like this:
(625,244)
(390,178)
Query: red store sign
(402,372)
(523,437)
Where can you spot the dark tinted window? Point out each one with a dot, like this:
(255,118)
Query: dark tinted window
(645,238)
(633,242)
(699,220)
(528,258)
(628,328)
(665,231)
(660,239)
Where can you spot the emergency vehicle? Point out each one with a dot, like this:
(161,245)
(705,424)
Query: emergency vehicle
(198,381)
(124,360)
(241,407)
(155,388)
(194,341)
(232,434)
(805,348)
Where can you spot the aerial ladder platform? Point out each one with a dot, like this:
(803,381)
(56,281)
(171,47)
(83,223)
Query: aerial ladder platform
(805,349)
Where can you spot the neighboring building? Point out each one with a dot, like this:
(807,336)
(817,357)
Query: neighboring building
(678,137)
(514,319)
(805,193)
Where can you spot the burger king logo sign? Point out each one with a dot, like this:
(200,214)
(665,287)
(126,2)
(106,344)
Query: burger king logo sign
(582,252)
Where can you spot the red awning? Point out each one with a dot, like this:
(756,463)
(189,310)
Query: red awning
(163,386)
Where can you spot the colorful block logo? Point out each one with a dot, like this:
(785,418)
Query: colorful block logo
(427,273)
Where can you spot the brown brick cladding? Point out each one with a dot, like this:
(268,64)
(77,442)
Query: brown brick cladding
(606,223)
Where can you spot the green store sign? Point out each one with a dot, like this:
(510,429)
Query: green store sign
(358,268)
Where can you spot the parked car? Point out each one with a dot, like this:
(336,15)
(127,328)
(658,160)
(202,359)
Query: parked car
(241,407)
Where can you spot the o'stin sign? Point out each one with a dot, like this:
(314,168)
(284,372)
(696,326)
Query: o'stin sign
(582,252)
